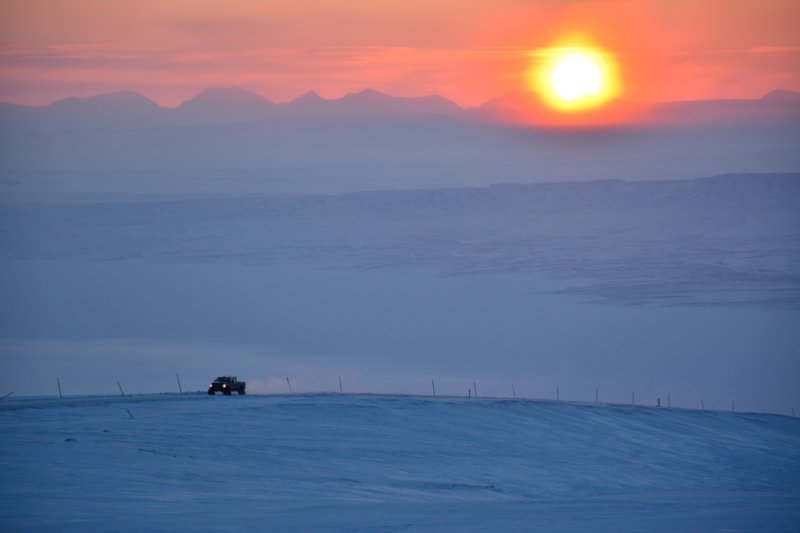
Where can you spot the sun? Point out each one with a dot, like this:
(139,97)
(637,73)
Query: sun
(574,78)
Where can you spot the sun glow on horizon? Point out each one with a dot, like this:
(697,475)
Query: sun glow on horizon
(575,78)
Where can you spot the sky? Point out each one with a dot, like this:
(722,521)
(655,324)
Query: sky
(466,50)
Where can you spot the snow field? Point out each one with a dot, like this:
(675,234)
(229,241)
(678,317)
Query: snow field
(364,462)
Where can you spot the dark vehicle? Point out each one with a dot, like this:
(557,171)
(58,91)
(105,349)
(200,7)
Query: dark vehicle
(226,385)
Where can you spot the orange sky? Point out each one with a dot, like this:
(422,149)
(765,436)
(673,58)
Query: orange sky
(466,50)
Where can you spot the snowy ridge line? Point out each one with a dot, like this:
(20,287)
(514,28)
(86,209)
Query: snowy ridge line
(334,462)
(42,402)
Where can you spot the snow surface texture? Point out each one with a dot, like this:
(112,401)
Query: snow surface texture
(383,463)
(717,241)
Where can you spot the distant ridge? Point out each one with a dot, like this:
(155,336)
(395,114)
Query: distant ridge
(226,96)
(225,105)
(782,95)
(372,100)
(122,99)
(104,110)
(309,97)
(125,110)
(309,102)
(777,106)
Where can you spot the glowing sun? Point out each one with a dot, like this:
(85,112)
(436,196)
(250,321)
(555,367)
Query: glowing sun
(574,79)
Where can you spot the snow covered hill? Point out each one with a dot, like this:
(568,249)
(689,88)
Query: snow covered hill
(383,463)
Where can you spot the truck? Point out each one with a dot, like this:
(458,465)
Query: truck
(226,385)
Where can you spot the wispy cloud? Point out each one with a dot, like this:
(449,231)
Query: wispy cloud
(775,50)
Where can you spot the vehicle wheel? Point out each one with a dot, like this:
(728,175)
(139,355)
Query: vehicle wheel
(211,393)
(241,392)
(226,393)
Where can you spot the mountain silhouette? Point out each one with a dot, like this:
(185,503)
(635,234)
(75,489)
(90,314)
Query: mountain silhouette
(228,104)
(782,95)
(779,106)
(105,110)
(776,107)
(375,101)
(309,102)
(125,110)
(225,105)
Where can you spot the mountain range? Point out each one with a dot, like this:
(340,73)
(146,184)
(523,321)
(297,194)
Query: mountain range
(213,106)
(125,110)
(232,140)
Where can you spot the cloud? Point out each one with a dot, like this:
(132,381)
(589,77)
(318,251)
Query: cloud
(775,50)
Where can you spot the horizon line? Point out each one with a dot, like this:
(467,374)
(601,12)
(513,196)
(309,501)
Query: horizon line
(315,93)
